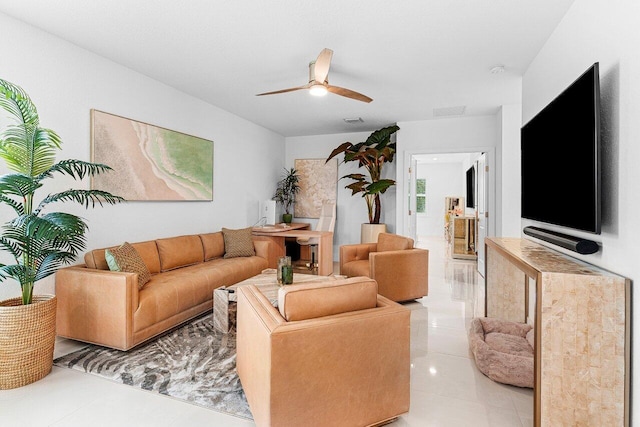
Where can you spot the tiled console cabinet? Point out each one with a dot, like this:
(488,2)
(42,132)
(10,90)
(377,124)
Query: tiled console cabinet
(581,318)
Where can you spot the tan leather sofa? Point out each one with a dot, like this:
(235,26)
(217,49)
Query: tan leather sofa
(332,354)
(402,272)
(105,307)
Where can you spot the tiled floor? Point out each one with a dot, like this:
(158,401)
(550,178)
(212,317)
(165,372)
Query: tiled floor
(446,387)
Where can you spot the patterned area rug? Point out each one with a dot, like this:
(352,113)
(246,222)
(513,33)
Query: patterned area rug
(193,363)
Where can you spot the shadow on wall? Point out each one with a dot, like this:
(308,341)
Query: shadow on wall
(610,147)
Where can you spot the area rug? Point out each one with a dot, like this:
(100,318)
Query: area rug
(193,363)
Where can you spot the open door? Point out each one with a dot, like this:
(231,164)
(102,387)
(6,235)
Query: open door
(411,185)
(482,182)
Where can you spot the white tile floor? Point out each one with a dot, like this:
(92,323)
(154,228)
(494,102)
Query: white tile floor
(446,387)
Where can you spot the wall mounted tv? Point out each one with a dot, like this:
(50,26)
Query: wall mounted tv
(560,155)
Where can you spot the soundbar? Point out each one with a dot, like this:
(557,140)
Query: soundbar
(575,244)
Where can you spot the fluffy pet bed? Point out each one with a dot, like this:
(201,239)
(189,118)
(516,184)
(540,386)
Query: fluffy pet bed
(503,350)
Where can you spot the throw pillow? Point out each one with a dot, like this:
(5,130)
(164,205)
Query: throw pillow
(238,243)
(125,258)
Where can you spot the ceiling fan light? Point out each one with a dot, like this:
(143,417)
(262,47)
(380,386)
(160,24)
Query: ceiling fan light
(318,90)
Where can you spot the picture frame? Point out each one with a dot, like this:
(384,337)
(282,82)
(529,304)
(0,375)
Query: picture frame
(149,162)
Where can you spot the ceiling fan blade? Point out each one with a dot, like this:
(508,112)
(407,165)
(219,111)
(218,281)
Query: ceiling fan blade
(323,62)
(348,93)
(291,89)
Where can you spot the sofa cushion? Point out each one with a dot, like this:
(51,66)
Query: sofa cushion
(176,291)
(393,242)
(176,252)
(238,243)
(148,252)
(213,245)
(126,258)
(309,301)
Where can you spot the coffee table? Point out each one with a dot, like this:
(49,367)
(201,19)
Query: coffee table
(224,312)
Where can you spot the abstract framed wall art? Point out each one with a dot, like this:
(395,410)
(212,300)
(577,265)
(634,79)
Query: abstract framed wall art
(150,162)
(318,184)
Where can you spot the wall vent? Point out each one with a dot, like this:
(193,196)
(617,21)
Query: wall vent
(354,120)
(449,111)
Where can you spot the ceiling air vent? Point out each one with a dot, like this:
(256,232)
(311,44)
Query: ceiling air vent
(354,120)
(449,111)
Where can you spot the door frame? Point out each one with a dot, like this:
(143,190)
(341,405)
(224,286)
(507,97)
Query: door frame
(403,177)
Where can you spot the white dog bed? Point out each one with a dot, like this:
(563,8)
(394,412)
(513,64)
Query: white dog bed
(503,350)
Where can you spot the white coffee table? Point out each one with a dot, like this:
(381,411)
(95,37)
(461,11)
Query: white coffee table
(266,282)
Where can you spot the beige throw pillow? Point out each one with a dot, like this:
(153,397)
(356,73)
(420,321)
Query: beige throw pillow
(125,258)
(238,243)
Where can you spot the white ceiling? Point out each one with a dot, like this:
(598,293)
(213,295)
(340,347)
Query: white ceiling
(410,56)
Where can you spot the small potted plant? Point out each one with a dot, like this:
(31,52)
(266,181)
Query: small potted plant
(371,154)
(38,240)
(286,192)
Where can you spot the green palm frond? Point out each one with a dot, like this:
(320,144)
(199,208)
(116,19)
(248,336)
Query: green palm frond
(18,185)
(63,231)
(84,197)
(13,148)
(46,143)
(16,206)
(25,147)
(49,243)
(54,226)
(52,262)
(20,273)
(37,237)
(15,100)
(11,247)
(29,149)
(77,169)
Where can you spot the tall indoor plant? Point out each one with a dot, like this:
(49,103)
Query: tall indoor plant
(286,191)
(39,241)
(371,154)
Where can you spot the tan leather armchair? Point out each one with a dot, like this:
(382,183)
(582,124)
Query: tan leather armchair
(328,361)
(400,270)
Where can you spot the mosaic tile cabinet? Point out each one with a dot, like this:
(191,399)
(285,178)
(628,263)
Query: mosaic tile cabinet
(581,318)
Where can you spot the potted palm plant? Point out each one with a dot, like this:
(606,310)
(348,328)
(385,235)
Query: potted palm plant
(39,241)
(371,154)
(286,192)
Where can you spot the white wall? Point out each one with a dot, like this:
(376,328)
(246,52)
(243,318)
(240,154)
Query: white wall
(591,31)
(351,210)
(442,180)
(508,198)
(65,82)
(451,135)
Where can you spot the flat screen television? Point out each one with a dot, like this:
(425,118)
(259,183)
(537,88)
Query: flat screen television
(560,155)
(471,187)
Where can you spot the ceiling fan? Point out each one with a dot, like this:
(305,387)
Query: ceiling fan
(319,83)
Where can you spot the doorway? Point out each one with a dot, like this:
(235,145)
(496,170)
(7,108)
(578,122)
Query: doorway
(434,179)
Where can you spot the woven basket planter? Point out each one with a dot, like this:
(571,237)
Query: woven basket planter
(27,337)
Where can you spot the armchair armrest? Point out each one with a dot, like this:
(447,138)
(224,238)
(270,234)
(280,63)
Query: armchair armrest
(96,306)
(360,251)
(401,275)
(267,249)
